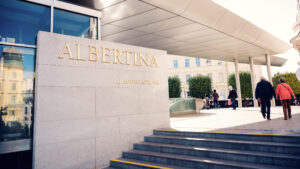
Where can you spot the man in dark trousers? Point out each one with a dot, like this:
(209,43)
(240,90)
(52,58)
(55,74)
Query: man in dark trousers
(216,97)
(232,96)
(264,92)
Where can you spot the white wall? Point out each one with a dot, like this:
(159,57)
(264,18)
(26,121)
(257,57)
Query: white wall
(83,117)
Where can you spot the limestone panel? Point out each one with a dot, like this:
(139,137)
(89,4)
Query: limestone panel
(146,98)
(66,103)
(122,101)
(107,126)
(66,155)
(49,75)
(64,131)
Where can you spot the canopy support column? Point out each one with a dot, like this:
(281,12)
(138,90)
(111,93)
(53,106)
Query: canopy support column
(238,85)
(253,81)
(268,61)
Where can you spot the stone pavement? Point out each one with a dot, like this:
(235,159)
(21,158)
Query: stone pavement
(242,120)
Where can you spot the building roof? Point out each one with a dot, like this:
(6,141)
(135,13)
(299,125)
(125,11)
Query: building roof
(196,28)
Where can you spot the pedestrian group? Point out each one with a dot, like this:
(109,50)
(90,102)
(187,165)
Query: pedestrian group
(264,93)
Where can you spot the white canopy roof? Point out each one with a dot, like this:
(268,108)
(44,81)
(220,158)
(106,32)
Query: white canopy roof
(196,28)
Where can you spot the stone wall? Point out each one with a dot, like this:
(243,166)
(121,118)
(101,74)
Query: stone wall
(93,103)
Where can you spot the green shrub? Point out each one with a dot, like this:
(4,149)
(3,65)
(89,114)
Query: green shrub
(290,78)
(245,82)
(199,86)
(174,87)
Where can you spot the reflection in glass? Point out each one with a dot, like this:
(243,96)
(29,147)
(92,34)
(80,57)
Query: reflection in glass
(69,23)
(21,21)
(16,92)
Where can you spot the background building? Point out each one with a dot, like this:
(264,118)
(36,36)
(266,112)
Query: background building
(186,67)
(11,85)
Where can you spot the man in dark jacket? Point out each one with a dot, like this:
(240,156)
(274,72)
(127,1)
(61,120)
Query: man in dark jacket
(216,97)
(232,96)
(264,92)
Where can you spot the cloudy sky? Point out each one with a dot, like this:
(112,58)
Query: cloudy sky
(276,17)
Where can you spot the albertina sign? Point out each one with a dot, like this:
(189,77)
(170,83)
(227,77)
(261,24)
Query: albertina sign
(119,57)
(93,99)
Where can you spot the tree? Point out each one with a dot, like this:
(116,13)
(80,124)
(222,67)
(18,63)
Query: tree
(199,86)
(174,87)
(245,82)
(290,78)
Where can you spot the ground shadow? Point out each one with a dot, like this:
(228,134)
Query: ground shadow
(274,126)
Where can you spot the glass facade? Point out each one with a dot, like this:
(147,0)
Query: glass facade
(20,23)
(70,23)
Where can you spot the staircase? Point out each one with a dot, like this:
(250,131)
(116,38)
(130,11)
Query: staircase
(168,149)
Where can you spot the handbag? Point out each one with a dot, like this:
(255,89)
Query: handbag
(229,102)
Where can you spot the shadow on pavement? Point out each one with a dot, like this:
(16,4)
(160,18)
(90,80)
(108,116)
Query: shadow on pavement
(274,126)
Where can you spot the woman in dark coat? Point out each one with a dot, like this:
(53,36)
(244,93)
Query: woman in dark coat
(232,96)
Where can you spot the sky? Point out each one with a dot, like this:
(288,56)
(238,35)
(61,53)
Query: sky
(274,16)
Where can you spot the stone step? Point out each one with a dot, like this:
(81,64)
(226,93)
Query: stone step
(259,146)
(193,162)
(237,136)
(123,163)
(222,154)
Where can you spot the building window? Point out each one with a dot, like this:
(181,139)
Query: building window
(176,76)
(187,78)
(12,112)
(187,62)
(175,63)
(69,23)
(14,75)
(13,100)
(222,95)
(197,61)
(208,62)
(14,86)
(221,78)
(209,75)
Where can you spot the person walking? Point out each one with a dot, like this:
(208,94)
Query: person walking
(264,93)
(285,92)
(232,96)
(215,97)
